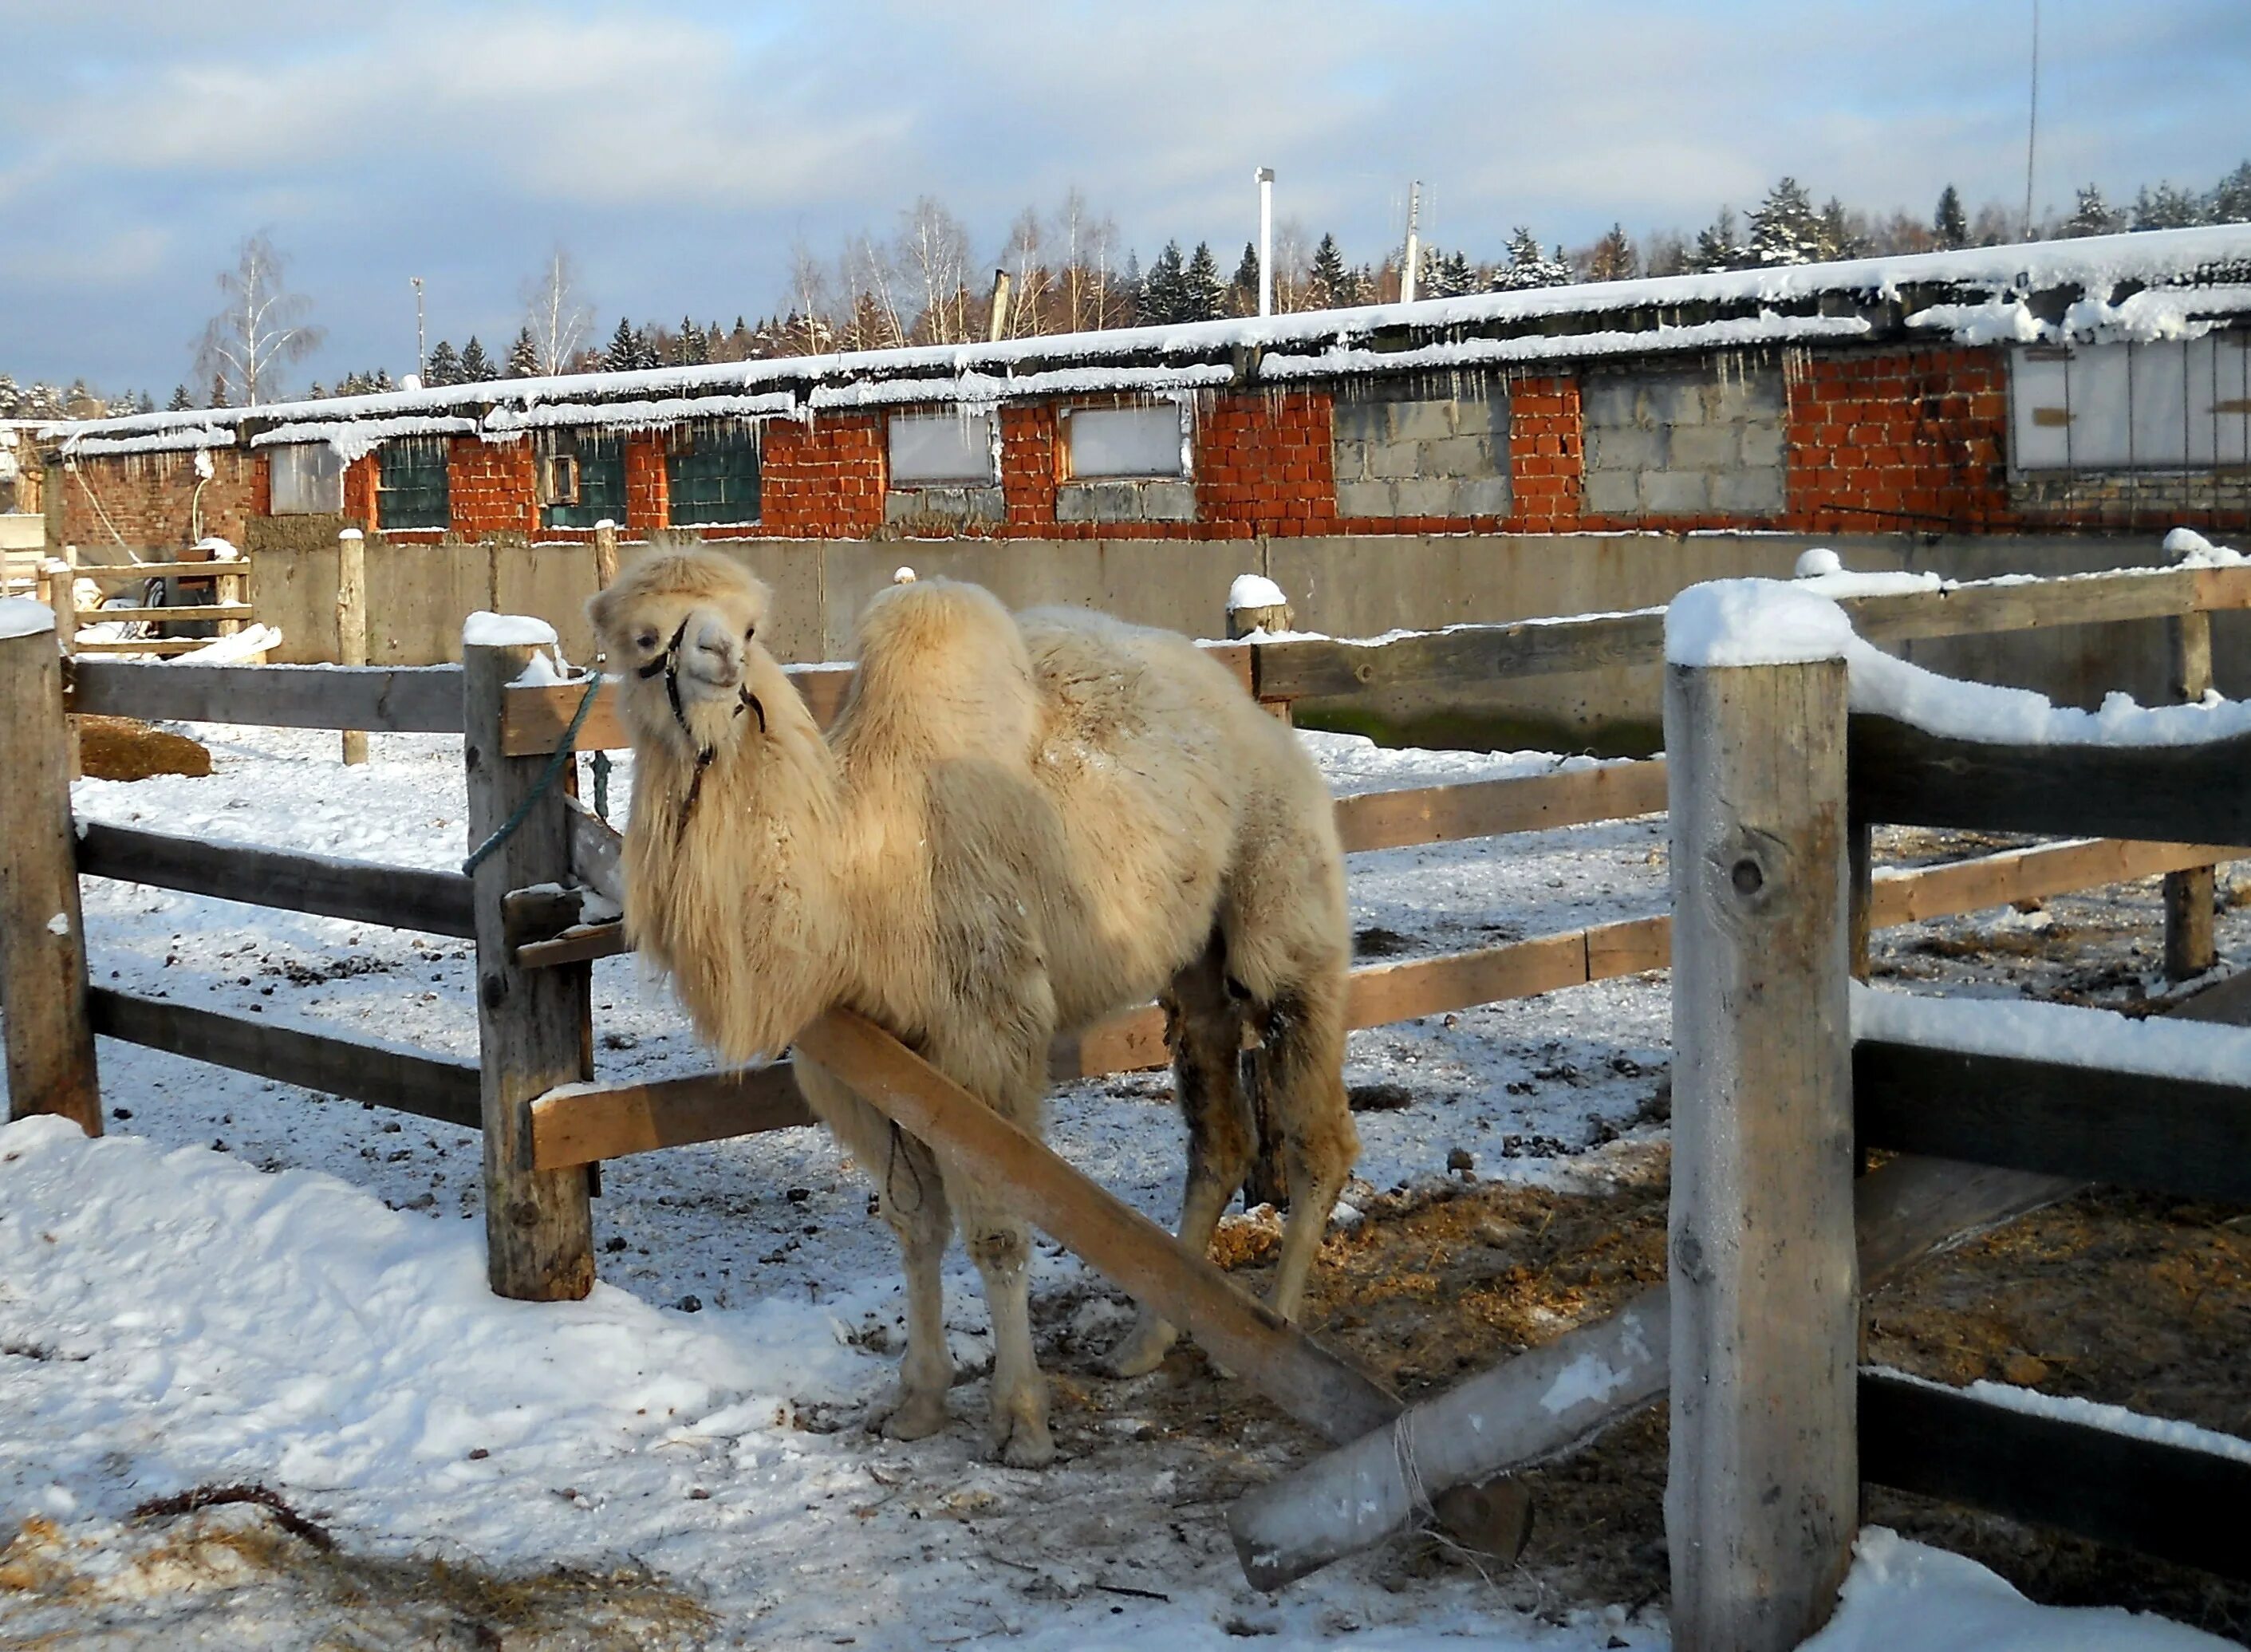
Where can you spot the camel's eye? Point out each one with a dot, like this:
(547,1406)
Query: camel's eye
(646,640)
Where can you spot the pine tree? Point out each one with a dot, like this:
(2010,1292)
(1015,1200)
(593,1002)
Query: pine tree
(1245,284)
(691,348)
(1950,226)
(1785,229)
(2166,207)
(444,366)
(218,390)
(181,401)
(647,352)
(622,354)
(1613,258)
(476,366)
(1202,294)
(381,382)
(1332,287)
(1164,290)
(2092,215)
(144,403)
(1718,246)
(2231,198)
(523,355)
(1840,235)
(1528,265)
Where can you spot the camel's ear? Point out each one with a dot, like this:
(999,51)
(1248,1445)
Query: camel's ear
(601,608)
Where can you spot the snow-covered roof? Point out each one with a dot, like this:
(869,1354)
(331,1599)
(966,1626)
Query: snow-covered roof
(2150,284)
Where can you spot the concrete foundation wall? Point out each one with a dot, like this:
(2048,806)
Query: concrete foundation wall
(1346,586)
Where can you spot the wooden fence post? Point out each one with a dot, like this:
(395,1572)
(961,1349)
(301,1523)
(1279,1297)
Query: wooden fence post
(534,1026)
(1267,1181)
(351,622)
(606,554)
(1762,1497)
(42,936)
(2190,948)
(62,596)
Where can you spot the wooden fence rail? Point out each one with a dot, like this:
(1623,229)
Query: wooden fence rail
(404,898)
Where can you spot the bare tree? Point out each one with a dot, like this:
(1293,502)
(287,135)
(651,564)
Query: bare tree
(811,330)
(871,297)
(1025,258)
(553,311)
(933,257)
(262,327)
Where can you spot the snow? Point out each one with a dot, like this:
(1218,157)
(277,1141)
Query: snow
(221,550)
(59,924)
(354,439)
(20,616)
(77,443)
(1817,560)
(1996,321)
(1766,329)
(1255,591)
(638,414)
(1903,1595)
(2199,1051)
(484,629)
(2116,1419)
(243,647)
(1753,622)
(2192,550)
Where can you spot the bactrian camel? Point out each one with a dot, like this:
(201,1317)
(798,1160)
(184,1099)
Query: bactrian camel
(1017,825)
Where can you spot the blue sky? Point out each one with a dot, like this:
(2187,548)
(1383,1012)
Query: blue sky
(681,151)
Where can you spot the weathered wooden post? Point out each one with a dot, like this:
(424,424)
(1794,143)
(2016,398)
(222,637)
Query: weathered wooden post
(62,596)
(606,554)
(42,936)
(229,590)
(533,1026)
(1256,603)
(1762,1501)
(2190,948)
(352,621)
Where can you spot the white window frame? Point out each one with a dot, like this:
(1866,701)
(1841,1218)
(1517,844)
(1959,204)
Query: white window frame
(308,497)
(965,420)
(1184,461)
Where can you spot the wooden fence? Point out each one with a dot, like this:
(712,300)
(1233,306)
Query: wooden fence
(545,1122)
(55,582)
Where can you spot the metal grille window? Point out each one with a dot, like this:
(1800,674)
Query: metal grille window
(410,490)
(2165,405)
(596,493)
(941,449)
(1126,441)
(712,474)
(307,479)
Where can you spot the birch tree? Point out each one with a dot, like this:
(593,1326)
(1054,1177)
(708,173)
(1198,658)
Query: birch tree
(555,316)
(262,329)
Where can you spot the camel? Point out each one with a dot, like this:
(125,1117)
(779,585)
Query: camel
(1017,825)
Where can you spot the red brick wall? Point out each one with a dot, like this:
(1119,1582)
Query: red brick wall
(1544,456)
(145,498)
(360,478)
(1264,466)
(821,480)
(647,495)
(492,487)
(1029,464)
(1907,439)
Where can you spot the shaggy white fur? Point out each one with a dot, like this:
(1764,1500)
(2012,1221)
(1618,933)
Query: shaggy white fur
(1018,825)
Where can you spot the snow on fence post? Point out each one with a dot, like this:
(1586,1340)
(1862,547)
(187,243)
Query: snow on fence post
(534,1026)
(50,1039)
(1256,603)
(1762,1493)
(2190,949)
(351,622)
(606,554)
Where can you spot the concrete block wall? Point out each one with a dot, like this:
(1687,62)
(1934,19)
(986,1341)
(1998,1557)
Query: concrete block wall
(1423,455)
(1698,444)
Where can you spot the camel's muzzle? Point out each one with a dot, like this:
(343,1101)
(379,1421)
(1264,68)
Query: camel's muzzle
(713,664)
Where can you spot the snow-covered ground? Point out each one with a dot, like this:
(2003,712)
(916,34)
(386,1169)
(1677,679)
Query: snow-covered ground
(247,1282)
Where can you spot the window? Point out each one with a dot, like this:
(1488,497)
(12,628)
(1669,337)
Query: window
(712,473)
(944,450)
(410,487)
(1126,441)
(2173,405)
(582,481)
(307,479)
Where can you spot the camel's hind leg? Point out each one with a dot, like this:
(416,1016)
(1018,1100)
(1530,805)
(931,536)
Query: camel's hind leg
(1207,1036)
(912,1199)
(1304,1059)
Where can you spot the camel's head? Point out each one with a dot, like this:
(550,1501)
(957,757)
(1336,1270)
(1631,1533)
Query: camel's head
(680,630)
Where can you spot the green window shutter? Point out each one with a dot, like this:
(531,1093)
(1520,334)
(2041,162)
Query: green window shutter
(713,474)
(411,490)
(601,486)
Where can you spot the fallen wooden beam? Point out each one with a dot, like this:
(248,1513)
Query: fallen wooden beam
(1116,1240)
(1545,1401)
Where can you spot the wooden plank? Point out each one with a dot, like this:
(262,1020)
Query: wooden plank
(1986,607)
(1489,809)
(424,699)
(2025,874)
(534,1026)
(582,945)
(2148,1496)
(1629,947)
(165,645)
(1906,776)
(198,611)
(2191,948)
(404,898)
(1302,667)
(1514,1415)
(1384,993)
(134,572)
(2167,1135)
(1763,1490)
(50,1047)
(585,1124)
(351,625)
(1118,1242)
(409,1081)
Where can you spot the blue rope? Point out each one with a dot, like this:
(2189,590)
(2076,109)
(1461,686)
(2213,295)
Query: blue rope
(547,779)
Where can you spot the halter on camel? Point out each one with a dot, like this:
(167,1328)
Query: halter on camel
(669,663)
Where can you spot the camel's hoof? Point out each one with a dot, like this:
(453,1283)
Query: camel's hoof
(1021,1442)
(1142,1351)
(907,1416)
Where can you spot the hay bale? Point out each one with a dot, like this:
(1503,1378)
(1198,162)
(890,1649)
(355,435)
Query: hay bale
(124,748)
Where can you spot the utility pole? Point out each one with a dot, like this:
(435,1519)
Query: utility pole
(2031,123)
(418,355)
(1414,243)
(1266,241)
